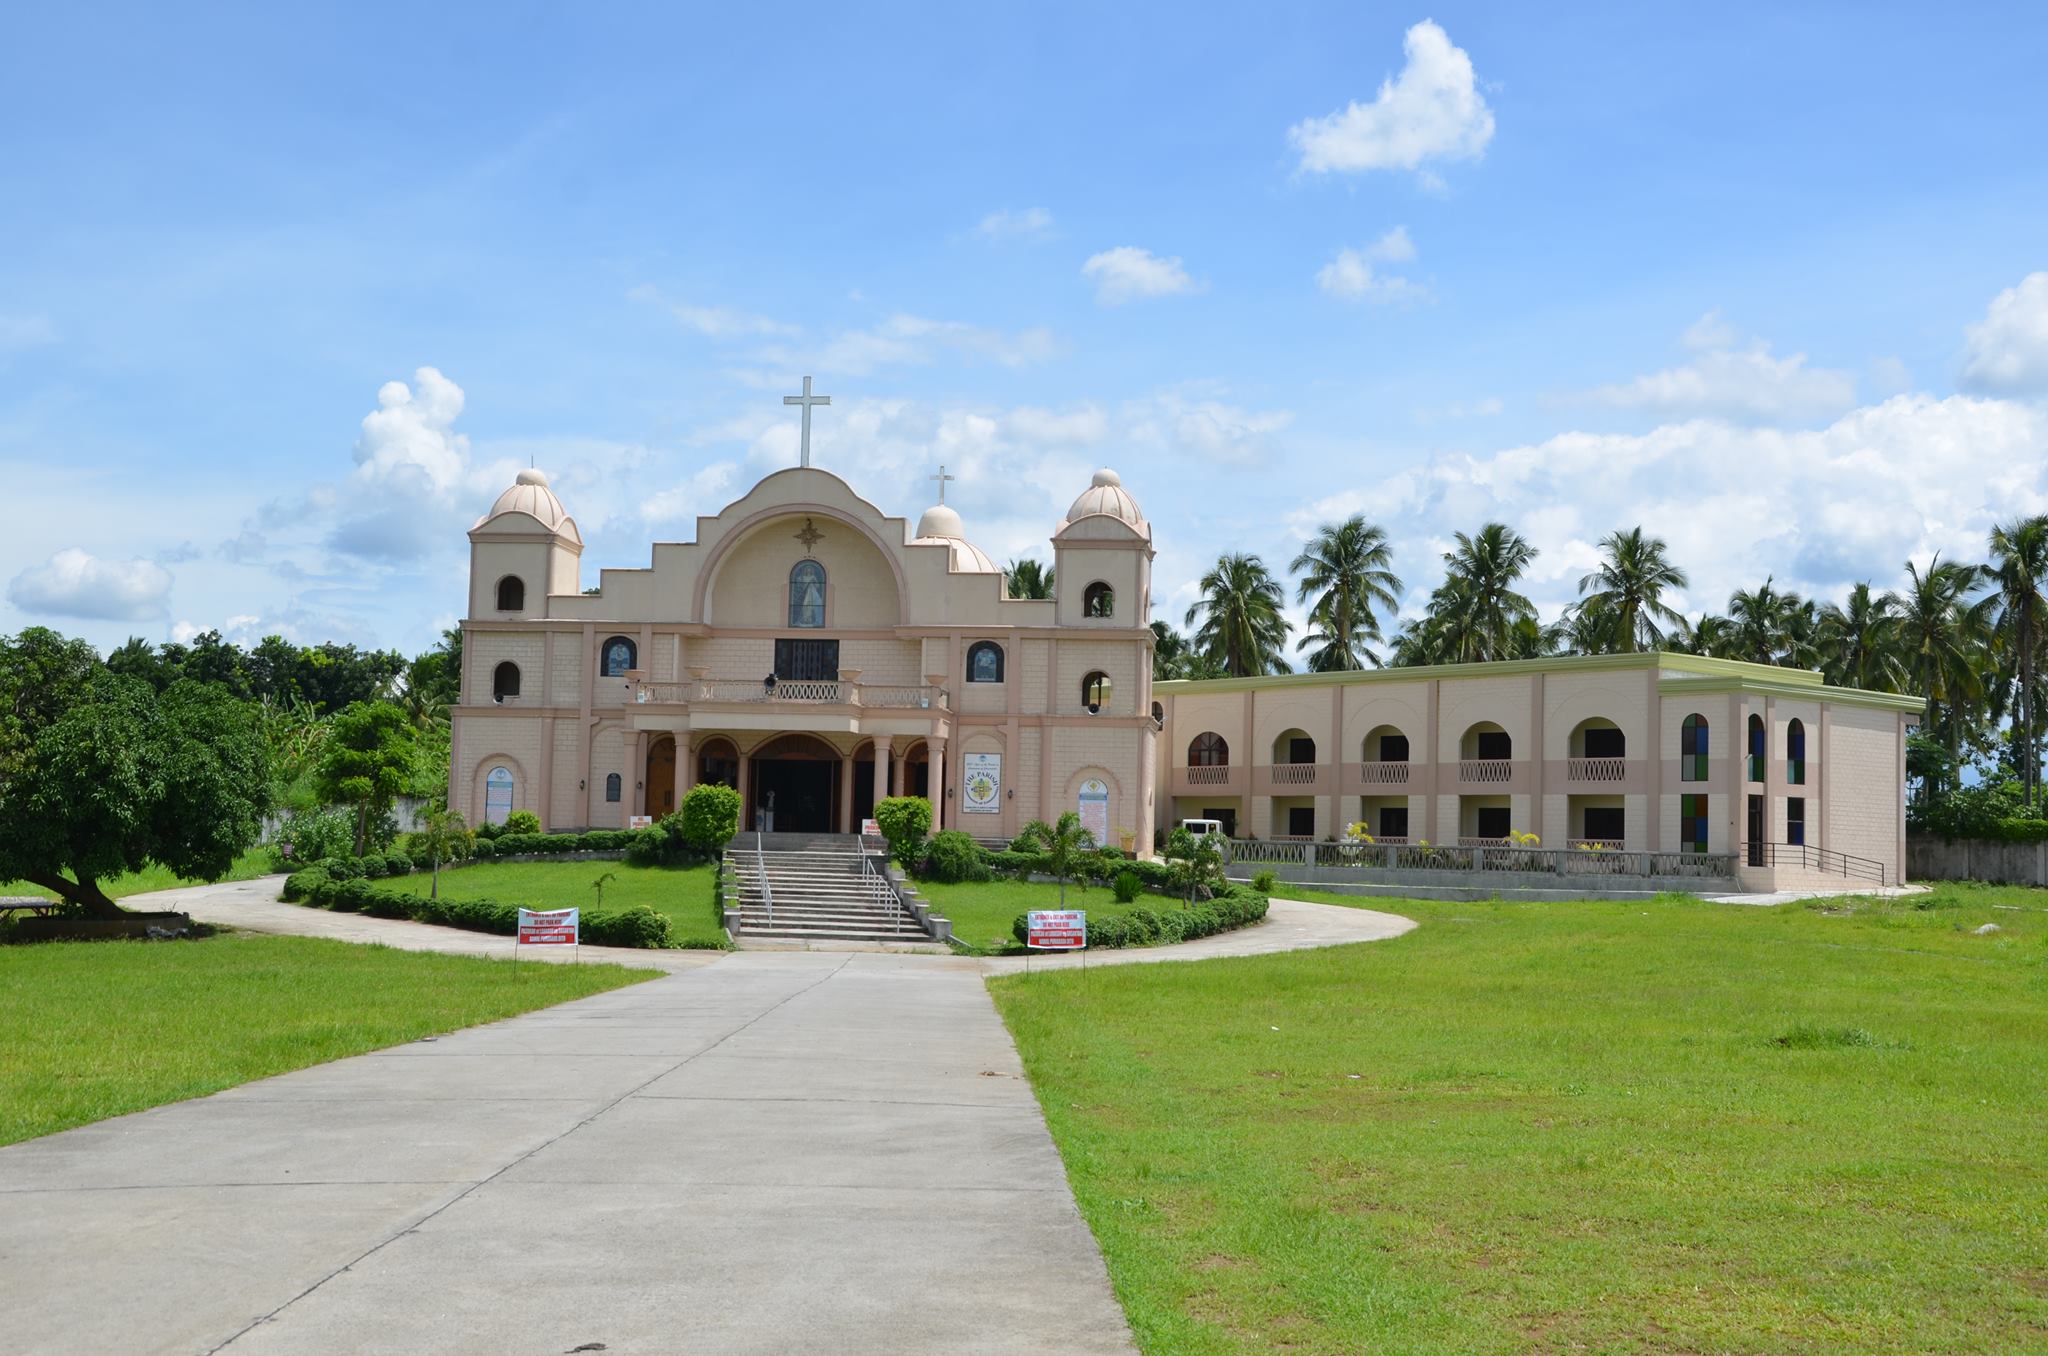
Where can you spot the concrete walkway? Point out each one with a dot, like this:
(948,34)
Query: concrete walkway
(776,1152)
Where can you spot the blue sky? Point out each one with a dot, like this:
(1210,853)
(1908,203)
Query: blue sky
(1769,283)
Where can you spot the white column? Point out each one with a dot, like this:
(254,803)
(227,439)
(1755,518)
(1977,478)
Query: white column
(881,768)
(938,783)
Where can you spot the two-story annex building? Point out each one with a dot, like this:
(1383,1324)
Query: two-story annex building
(816,654)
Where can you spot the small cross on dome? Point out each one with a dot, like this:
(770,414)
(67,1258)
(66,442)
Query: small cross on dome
(942,478)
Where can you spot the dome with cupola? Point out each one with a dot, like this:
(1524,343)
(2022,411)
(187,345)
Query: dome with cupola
(1106,497)
(941,526)
(530,495)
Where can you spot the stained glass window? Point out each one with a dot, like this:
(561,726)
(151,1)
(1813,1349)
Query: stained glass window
(807,594)
(620,654)
(985,662)
(1692,749)
(1757,748)
(1795,753)
(1692,822)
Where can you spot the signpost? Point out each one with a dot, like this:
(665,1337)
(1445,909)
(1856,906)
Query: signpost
(870,829)
(549,927)
(639,821)
(1055,930)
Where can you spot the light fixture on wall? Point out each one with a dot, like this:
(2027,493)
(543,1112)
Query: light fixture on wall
(579,784)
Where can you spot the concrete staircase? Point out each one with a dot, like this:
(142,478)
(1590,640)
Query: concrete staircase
(811,888)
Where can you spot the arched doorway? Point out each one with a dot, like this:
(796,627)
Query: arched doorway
(796,778)
(718,763)
(917,771)
(661,776)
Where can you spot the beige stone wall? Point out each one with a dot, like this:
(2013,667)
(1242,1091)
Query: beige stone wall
(1078,658)
(751,585)
(1502,701)
(1570,701)
(483,651)
(1864,796)
(1401,706)
(563,796)
(515,741)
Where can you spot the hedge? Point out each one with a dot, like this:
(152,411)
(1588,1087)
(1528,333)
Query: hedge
(638,926)
(1234,906)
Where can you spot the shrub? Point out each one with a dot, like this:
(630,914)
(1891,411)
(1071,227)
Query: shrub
(343,868)
(1265,882)
(307,837)
(300,884)
(373,866)
(1026,841)
(1233,907)
(1126,886)
(522,821)
(905,821)
(954,856)
(664,845)
(397,864)
(489,832)
(710,817)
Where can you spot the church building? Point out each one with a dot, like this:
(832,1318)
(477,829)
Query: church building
(816,654)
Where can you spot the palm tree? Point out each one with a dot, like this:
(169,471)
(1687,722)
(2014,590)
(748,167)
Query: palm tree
(1174,657)
(1345,570)
(1762,624)
(2018,574)
(1858,641)
(1477,600)
(1029,578)
(1629,587)
(1240,625)
(1943,641)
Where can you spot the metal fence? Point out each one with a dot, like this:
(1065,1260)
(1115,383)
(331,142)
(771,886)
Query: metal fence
(1453,857)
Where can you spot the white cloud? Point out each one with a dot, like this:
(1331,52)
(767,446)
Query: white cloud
(74,583)
(1725,382)
(1223,433)
(410,439)
(1353,275)
(705,493)
(1032,223)
(1484,408)
(1432,110)
(1129,273)
(715,322)
(904,340)
(19,333)
(2007,351)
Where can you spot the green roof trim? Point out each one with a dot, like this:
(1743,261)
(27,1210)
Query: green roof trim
(1692,673)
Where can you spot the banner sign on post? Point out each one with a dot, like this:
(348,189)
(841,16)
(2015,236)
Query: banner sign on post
(1056,930)
(982,783)
(870,829)
(639,821)
(548,927)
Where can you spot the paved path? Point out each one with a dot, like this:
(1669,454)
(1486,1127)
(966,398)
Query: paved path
(1291,925)
(776,1152)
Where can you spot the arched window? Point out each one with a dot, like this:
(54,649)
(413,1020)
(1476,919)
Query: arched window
(1692,751)
(1795,753)
(1095,692)
(498,788)
(1159,715)
(1208,749)
(511,594)
(1487,742)
(612,784)
(1600,738)
(984,662)
(1758,748)
(807,594)
(504,681)
(619,655)
(1098,600)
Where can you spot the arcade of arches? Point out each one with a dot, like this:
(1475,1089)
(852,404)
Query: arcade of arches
(788,783)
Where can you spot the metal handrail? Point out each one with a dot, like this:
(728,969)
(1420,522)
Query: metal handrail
(1820,859)
(761,874)
(879,882)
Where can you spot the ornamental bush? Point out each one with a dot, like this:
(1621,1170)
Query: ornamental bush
(310,835)
(1126,885)
(637,926)
(522,821)
(1233,907)
(955,856)
(906,821)
(397,864)
(710,817)
(299,884)
(343,868)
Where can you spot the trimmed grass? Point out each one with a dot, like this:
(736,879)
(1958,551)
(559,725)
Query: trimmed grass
(248,866)
(683,893)
(96,1029)
(982,911)
(1672,1126)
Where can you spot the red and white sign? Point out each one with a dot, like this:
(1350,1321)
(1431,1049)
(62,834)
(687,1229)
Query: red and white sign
(548,927)
(639,821)
(1056,929)
(870,829)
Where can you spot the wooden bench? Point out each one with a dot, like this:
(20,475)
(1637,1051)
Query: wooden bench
(29,904)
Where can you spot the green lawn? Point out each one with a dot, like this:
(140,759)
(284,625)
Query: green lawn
(1632,1127)
(248,866)
(981,912)
(96,1029)
(684,894)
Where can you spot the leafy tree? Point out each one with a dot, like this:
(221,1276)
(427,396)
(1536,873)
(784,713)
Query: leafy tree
(1627,590)
(906,821)
(1240,625)
(1765,625)
(1711,636)
(366,762)
(711,816)
(1476,613)
(1173,656)
(1943,641)
(1196,862)
(1346,572)
(2018,574)
(100,775)
(1858,641)
(445,837)
(1029,578)
(1063,844)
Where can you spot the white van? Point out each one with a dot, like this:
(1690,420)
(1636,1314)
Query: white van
(1208,828)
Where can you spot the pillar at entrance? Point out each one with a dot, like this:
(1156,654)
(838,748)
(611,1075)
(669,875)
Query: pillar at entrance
(746,800)
(846,824)
(881,768)
(686,766)
(937,780)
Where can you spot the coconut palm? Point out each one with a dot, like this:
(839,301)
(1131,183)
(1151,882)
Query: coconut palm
(2018,575)
(1858,639)
(1237,620)
(1174,657)
(1029,578)
(1345,573)
(1629,586)
(1943,639)
(1477,601)
(1712,635)
(1763,624)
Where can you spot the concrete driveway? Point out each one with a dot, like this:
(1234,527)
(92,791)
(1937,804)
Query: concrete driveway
(782,1151)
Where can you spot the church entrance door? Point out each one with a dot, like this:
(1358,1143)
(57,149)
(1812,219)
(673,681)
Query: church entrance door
(797,777)
(661,777)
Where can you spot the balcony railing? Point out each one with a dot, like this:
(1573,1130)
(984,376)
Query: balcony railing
(1485,770)
(893,696)
(1208,776)
(1596,844)
(1481,854)
(1383,774)
(1294,774)
(1597,769)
